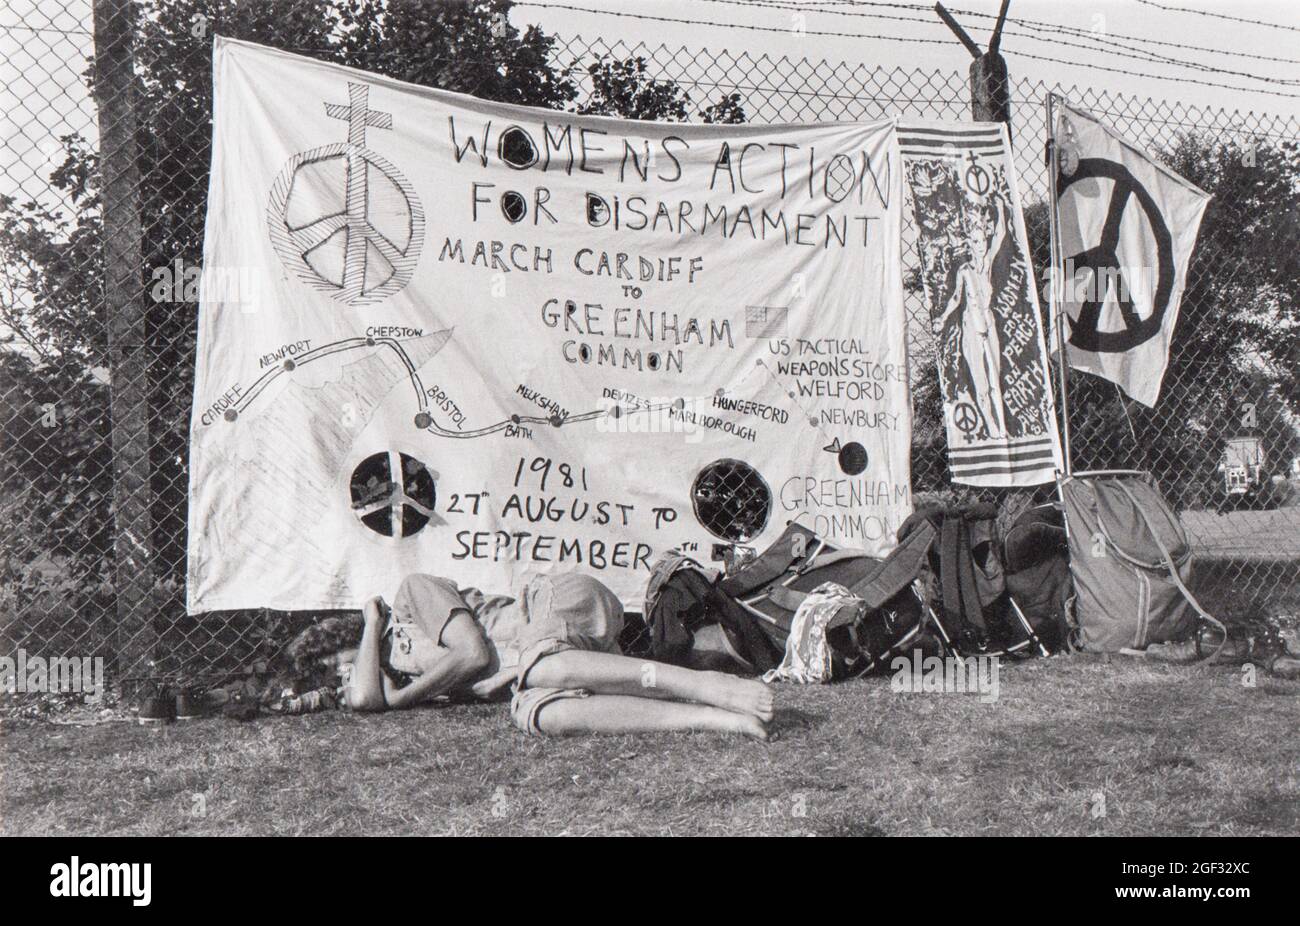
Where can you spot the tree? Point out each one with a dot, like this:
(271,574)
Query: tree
(625,88)
(468,47)
(55,494)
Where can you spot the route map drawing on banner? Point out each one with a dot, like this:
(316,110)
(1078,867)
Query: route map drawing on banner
(983,305)
(483,341)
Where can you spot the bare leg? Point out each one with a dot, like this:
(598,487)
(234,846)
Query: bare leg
(622,714)
(611,674)
(366,693)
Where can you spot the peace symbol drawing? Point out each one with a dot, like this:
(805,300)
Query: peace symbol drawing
(394,494)
(965,417)
(342,218)
(1104,263)
(977,177)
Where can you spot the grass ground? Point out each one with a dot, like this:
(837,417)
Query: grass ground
(1074,745)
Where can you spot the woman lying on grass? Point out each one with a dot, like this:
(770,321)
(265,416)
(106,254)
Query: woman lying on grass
(555,647)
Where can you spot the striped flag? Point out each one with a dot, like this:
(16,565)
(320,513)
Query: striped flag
(979,289)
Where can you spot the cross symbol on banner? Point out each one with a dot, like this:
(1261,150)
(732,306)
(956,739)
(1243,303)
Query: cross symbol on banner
(359,117)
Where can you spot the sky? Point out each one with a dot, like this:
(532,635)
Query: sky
(1106,19)
(42,96)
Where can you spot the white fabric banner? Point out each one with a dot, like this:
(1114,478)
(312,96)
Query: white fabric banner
(445,335)
(1127,227)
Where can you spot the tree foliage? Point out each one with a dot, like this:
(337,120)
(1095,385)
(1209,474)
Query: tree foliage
(56,481)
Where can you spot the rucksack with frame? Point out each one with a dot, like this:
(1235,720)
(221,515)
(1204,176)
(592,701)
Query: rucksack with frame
(1130,559)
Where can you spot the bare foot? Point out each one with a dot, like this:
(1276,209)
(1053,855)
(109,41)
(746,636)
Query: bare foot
(747,696)
(752,727)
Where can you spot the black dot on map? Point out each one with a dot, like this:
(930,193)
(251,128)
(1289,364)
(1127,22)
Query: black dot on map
(853,458)
(720,392)
(289,365)
(556,421)
(231,414)
(679,403)
(616,411)
(812,420)
(370,342)
(423,420)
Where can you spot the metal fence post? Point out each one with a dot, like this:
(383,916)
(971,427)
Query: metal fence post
(114,25)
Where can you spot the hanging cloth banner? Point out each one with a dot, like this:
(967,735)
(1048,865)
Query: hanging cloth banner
(978,286)
(1127,226)
(482,340)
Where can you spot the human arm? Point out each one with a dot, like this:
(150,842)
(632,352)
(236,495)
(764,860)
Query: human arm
(466,657)
(486,688)
(999,231)
(365,691)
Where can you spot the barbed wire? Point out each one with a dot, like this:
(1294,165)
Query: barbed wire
(22,28)
(1110,45)
(1184,9)
(729,25)
(1041,24)
(893,38)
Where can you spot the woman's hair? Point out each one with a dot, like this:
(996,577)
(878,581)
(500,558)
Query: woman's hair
(324,638)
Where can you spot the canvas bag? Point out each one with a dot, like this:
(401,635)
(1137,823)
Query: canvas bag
(1130,558)
(756,604)
(885,616)
(681,597)
(1036,568)
(972,612)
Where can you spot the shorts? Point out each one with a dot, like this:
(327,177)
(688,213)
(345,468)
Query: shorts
(564,612)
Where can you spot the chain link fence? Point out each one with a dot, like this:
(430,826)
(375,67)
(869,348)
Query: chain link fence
(74,378)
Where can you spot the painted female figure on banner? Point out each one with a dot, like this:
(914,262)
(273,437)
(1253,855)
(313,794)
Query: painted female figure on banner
(970,317)
(978,286)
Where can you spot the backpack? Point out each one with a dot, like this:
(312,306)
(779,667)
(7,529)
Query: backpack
(973,613)
(757,603)
(681,597)
(1036,568)
(1130,558)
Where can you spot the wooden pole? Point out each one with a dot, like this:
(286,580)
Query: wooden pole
(114,24)
(990,96)
(1056,280)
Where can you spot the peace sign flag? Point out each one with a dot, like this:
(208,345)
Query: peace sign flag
(1126,227)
